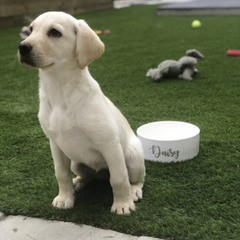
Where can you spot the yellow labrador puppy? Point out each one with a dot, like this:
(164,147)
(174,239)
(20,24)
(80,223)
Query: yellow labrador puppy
(87,132)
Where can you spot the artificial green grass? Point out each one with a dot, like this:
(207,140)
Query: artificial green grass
(195,199)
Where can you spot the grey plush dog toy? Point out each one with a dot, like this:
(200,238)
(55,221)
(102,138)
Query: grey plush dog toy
(183,68)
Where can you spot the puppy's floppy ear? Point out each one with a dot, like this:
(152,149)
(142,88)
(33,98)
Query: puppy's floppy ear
(89,46)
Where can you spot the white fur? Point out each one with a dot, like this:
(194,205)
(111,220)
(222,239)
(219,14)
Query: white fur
(87,132)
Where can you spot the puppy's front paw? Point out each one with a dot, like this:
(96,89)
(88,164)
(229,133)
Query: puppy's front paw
(123,207)
(136,191)
(63,203)
(79,184)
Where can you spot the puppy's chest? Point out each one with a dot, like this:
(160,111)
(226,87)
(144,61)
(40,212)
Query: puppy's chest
(55,116)
(70,134)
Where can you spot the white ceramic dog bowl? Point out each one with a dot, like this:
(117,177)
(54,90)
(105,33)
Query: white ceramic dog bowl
(169,141)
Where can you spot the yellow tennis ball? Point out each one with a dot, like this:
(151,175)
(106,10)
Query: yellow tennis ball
(196,24)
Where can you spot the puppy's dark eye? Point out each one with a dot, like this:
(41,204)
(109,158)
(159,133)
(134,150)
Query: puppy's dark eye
(31,29)
(54,33)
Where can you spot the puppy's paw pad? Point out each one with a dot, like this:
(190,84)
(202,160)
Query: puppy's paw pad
(123,208)
(63,203)
(136,191)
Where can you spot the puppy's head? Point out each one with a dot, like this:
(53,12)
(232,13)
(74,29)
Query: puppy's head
(57,38)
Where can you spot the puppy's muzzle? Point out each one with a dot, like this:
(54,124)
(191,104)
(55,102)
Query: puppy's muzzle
(25,50)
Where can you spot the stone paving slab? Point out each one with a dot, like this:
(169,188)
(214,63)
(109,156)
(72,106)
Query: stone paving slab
(201,7)
(28,228)
(128,3)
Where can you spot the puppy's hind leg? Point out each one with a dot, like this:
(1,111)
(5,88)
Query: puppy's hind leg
(84,175)
(136,168)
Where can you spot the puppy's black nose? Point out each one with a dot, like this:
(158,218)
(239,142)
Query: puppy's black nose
(25,48)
